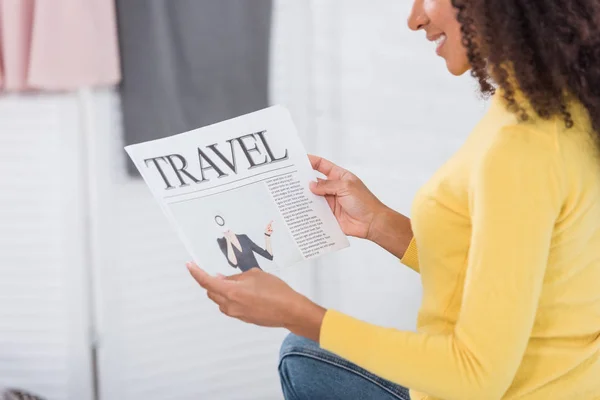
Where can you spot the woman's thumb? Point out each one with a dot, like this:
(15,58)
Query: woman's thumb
(324,187)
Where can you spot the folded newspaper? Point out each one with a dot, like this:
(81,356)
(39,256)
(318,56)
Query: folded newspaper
(237,192)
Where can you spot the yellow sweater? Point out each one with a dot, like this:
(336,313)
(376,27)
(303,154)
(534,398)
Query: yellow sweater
(507,242)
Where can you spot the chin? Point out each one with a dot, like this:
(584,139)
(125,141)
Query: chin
(457,68)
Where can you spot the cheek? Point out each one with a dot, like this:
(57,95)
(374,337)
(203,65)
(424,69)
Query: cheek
(456,54)
(442,15)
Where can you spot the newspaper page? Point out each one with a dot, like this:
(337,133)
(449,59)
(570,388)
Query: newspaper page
(237,192)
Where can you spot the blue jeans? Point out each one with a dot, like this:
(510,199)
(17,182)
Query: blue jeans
(308,372)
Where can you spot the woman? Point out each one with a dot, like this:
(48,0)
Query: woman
(239,249)
(506,235)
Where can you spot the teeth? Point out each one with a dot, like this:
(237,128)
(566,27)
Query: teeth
(440,40)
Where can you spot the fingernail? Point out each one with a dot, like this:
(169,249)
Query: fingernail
(189,265)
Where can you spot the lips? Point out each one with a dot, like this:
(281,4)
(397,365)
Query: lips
(439,40)
(433,36)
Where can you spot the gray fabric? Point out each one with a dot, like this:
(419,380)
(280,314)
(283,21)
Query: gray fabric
(191,63)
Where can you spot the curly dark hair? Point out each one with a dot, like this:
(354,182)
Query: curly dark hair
(552,48)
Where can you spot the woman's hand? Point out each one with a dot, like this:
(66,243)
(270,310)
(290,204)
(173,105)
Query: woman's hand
(269,229)
(262,299)
(352,203)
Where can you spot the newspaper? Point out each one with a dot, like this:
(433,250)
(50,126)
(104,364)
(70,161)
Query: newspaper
(237,192)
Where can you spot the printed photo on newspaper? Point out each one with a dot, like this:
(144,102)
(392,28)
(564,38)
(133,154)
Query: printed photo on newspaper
(237,193)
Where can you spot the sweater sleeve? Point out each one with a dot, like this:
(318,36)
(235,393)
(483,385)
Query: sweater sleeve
(257,249)
(411,256)
(515,196)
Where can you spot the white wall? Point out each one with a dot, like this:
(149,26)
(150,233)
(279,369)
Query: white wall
(44,319)
(388,111)
(364,91)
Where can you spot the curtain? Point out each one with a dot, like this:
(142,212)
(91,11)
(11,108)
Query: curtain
(57,44)
(191,63)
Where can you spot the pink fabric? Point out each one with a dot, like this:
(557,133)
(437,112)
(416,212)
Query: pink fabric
(57,44)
